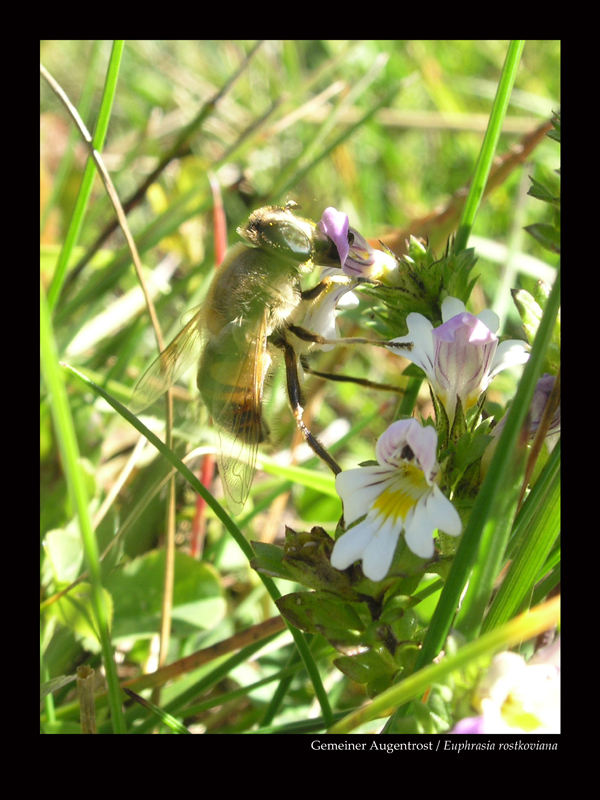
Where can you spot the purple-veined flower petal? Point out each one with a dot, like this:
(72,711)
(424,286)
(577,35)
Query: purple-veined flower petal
(359,488)
(461,356)
(509,354)
(464,352)
(420,334)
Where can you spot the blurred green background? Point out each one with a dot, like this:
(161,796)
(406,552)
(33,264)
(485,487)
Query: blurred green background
(386,131)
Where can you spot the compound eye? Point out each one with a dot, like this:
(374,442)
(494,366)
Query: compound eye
(274,228)
(288,237)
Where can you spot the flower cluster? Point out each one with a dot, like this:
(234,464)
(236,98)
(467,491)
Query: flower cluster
(398,509)
(460,358)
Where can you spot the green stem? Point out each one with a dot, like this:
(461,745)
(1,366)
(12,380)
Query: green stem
(490,142)
(230,525)
(89,174)
(69,449)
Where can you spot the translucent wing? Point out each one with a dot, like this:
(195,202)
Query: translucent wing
(231,380)
(183,351)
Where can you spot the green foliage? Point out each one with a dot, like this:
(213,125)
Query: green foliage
(531,310)
(423,283)
(361,126)
(547,234)
(75,612)
(305,558)
(376,632)
(136,589)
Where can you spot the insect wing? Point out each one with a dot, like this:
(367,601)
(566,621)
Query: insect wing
(239,357)
(183,351)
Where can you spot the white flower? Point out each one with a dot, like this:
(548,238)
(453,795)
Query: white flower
(399,495)
(461,356)
(321,315)
(518,697)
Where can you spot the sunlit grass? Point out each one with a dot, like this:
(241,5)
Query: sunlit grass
(387,132)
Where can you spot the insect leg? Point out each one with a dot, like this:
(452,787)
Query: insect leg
(330,376)
(329,280)
(308,336)
(295,396)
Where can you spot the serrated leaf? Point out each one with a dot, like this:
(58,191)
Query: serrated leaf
(307,555)
(546,235)
(555,133)
(363,667)
(268,561)
(317,612)
(471,448)
(541,192)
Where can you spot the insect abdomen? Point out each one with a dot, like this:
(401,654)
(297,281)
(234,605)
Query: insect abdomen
(230,380)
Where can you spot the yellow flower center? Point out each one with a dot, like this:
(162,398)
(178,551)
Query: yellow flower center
(403,493)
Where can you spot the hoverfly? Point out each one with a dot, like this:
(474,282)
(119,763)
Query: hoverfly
(253,305)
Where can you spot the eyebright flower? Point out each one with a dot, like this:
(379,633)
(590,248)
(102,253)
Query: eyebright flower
(461,356)
(358,258)
(399,495)
(518,697)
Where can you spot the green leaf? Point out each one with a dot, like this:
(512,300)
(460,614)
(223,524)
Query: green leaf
(529,311)
(74,611)
(546,235)
(365,667)
(55,684)
(307,555)
(555,134)
(540,192)
(168,719)
(527,566)
(269,561)
(531,308)
(317,612)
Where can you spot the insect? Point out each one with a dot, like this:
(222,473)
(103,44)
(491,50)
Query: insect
(253,305)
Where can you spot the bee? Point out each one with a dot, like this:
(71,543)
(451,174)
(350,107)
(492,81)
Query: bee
(253,305)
